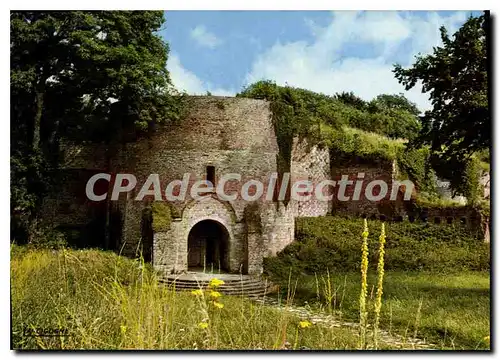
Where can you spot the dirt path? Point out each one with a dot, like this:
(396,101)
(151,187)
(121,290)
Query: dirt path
(323,319)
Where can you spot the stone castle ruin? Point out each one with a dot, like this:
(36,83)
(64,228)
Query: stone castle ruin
(217,136)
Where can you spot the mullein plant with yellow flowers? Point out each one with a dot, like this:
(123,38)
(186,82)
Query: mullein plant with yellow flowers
(303,324)
(209,300)
(363,315)
(380,283)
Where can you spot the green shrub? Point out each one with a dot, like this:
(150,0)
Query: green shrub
(472,189)
(414,164)
(333,243)
(47,237)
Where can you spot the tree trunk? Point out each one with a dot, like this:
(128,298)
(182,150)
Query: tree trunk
(38,115)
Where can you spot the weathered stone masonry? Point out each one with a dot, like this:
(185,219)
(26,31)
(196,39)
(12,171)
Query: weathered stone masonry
(218,136)
(232,135)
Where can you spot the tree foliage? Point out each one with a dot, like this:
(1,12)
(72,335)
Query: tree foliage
(455,76)
(390,115)
(300,112)
(82,75)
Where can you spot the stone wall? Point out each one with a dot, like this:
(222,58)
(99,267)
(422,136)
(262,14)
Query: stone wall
(68,204)
(234,135)
(310,163)
(68,208)
(88,156)
(485,182)
(367,171)
(231,134)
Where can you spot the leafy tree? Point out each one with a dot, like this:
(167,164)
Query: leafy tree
(83,75)
(396,102)
(455,76)
(300,112)
(392,115)
(349,98)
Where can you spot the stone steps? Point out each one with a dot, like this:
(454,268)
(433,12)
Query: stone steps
(245,286)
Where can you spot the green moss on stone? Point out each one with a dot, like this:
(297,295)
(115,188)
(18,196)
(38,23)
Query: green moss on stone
(162,217)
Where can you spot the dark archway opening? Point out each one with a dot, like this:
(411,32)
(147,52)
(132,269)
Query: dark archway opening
(147,234)
(208,247)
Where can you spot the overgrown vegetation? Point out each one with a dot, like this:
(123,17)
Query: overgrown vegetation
(352,142)
(351,127)
(105,301)
(450,307)
(162,216)
(83,76)
(414,164)
(455,77)
(300,112)
(330,244)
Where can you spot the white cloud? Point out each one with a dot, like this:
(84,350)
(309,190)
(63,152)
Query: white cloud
(204,37)
(321,66)
(185,80)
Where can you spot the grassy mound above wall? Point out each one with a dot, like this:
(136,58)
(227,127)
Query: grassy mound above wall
(350,141)
(334,243)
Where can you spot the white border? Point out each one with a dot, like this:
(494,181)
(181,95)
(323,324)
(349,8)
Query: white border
(197,5)
(254,5)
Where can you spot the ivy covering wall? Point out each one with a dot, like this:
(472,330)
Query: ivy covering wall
(350,126)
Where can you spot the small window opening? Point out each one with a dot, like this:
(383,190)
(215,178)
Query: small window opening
(211,174)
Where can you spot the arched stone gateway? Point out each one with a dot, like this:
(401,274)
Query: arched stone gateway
(206,235)
(213,218)
(208,247)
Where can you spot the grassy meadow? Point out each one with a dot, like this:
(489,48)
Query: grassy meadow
(108,302)
(435,288)
(451,311)
(436,284)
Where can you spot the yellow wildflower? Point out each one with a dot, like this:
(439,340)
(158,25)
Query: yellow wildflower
(203,325)
(380,285)
(123,329)
(218,305)
(215,282)
(305,324)
(363,314)
(215,294)
(197,292)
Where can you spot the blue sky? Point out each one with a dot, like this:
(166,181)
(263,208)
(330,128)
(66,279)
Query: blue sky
(222,51)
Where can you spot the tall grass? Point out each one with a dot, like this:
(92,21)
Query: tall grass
(105,301)
(449,309)
(454,307)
